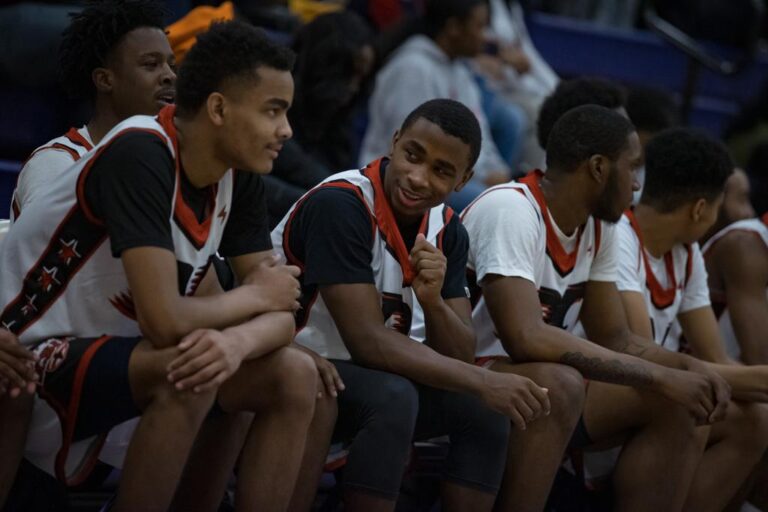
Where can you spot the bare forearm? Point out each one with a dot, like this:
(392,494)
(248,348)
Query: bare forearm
(636,346)
(448,334)
(748,383)
(593,361)
(392,352)
(189,313)
(263,334)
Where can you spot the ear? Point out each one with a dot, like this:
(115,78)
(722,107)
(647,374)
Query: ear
(697,209)
(395,138)
(599,168)
(216,106)
(467,176)
(103,79)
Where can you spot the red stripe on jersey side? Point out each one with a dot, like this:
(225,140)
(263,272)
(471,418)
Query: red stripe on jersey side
(74,154)
(76,138)
(197,232)
(71,420)
(80,191)
(385,219)
(661,297)
(564,261)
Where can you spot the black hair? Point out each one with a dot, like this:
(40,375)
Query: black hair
(438,12)
(454,119)
(652,110)
(229,50)
(574,93)
(586,131)
(757,171)
(94,32)
(682,165)
(327,52)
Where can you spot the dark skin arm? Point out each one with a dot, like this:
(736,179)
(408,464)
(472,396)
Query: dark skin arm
(515,308)
(448,322)
(165,316)
(357,313)
(740,259)
(605,323)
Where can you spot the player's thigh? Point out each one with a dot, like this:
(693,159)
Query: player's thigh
(611,410)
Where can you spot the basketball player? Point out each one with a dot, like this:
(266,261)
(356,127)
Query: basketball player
(116,55)
(540,248)
(121,245)
(384,298)
(662,279)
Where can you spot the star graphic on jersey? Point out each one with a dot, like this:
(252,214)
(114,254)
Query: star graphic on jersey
(7,325)
(223,214)
(68,251)
(48,278)
(29,308)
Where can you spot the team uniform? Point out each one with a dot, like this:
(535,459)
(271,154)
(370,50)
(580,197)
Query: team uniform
(362,244)
(63,288)
(512,234)
(671,285)
(344,232)
(759,227)
(45,163)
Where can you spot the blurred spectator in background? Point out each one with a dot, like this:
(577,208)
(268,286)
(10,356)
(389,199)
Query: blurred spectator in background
(334,59)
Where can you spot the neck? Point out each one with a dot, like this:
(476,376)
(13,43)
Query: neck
(199,161)
(444,44)
(104,119)
(657,229)
(568,209)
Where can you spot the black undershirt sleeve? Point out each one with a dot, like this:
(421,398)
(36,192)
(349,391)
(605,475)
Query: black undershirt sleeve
(331,233)
(455,248)
(130,188)
(247,229)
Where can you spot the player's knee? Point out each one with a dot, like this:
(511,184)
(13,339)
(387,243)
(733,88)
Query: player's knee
(752,423)
(392,406)
(298,379)
(195,405)
(566,388)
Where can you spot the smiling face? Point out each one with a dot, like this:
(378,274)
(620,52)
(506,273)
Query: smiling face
(254,124)
(142,66)
(621,182)
(426,165)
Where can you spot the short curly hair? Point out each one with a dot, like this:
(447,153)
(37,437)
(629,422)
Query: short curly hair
(586,131)
(574,93)
(88,41)
(229,50)
(682,165)
(454,118)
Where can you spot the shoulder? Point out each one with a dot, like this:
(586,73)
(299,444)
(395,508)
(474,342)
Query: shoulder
(503,202)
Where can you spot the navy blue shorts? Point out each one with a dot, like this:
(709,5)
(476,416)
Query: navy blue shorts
(85,380)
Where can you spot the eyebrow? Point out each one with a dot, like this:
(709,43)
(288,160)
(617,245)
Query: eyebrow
(278,102)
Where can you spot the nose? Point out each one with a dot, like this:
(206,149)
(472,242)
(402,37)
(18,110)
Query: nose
(168,76)
(417,177)
(284,130)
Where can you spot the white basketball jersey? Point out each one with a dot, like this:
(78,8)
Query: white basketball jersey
(60,279)
(758,226)
(74,144)
(560,275)
(391,267)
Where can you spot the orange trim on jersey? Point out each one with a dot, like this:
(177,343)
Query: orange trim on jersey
(385,219)
(661,297)
(447,216)
(563,260)
(80,190)
(70,421)
(74,135)
(197,231)
(58,145)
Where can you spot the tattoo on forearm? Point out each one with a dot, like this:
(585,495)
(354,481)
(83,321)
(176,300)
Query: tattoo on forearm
(629,346)
(613,371)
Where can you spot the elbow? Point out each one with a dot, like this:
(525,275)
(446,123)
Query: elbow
(285,325)
(162,334)
(522,344)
